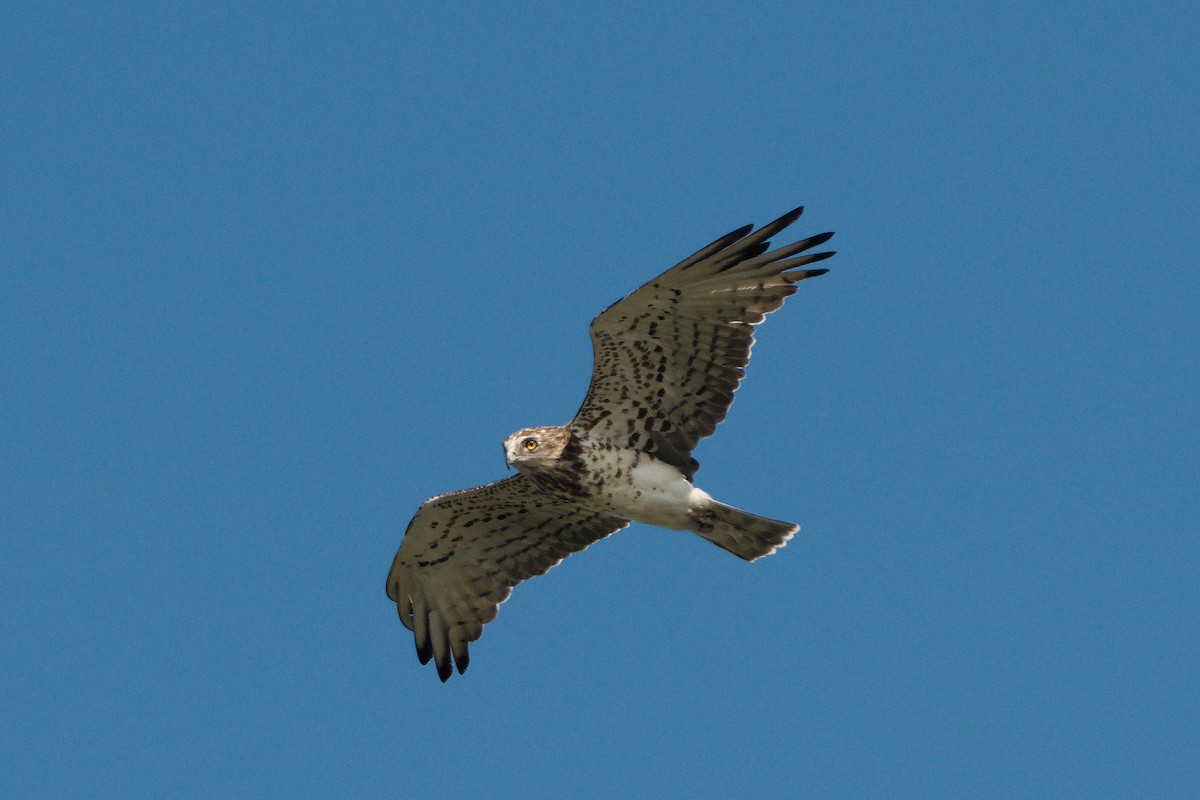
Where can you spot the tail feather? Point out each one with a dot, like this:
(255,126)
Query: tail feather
(746,535)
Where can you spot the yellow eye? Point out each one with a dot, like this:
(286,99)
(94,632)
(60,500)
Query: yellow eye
(530,444)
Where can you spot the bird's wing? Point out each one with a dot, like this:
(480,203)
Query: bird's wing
(464,551)
(669,356)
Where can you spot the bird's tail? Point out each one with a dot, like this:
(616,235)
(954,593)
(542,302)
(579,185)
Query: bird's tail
(746,535)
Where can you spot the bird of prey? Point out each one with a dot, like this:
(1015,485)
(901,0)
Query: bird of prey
(667,359)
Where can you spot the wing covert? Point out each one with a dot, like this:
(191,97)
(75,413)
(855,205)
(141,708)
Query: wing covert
(464,551)
(669,356)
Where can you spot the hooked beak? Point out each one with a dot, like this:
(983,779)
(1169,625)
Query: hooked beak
(507,463)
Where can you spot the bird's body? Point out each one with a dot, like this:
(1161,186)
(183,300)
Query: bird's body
(643,489)
(668,358)
(630,484)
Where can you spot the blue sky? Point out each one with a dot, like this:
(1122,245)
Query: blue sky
(273,274)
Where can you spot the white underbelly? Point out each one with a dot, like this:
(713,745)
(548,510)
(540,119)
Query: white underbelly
(647,490)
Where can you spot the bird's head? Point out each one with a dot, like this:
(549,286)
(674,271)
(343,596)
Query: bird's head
(534,447)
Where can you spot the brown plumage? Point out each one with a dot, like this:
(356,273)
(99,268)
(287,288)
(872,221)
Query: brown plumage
(667,360)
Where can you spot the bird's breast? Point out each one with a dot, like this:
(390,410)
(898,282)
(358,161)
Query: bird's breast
(637,486)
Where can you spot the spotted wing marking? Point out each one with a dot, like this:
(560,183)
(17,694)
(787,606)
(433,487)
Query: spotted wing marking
(669,356)
(464,551)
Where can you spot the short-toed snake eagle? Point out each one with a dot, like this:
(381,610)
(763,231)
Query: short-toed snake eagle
(668,358)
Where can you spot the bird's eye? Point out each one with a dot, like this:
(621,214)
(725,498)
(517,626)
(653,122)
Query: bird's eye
(530,444)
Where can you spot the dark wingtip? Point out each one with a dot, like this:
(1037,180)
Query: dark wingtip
(444,670)
(784,221)
(424,651)
(796,277)
(462,663)
(820,238)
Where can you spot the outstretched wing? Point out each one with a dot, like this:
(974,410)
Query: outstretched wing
(669,356)
(464,551)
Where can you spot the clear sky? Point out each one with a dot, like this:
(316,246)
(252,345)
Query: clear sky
(274,273)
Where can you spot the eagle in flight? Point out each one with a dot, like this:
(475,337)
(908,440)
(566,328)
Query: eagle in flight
(668,358)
